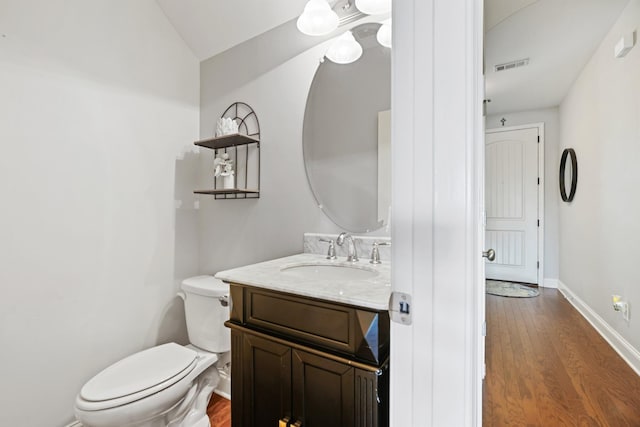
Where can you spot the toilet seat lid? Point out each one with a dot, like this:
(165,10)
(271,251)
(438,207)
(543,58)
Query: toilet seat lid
(141,371)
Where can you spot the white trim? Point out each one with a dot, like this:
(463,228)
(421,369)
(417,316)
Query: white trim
(411,373)
(74,424)
(477,161)
(222,394)
(516,127)
(540,127)
(551,283)
(629,354)
(437,132)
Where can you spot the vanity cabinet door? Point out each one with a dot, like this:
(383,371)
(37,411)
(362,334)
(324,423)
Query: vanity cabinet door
(323,391)
(274,380)
(266,382)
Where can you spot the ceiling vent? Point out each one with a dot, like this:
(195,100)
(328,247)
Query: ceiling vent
(511,65)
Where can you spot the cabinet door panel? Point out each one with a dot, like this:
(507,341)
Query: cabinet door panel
(266,382)
(323,391)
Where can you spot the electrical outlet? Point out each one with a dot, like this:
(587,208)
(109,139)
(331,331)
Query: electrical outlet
(621,306)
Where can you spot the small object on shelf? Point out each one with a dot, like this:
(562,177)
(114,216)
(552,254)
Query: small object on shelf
(236,165)
(228,181)
(226,126)
(223,166)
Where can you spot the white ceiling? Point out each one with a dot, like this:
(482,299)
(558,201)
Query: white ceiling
(213,26)
(496,11)
(558,37)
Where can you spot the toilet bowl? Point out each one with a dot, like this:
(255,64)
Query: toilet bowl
(168,385)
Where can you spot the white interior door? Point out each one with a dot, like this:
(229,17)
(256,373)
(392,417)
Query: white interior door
(511,203)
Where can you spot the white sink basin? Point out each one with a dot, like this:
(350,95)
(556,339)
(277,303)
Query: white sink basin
(329,271)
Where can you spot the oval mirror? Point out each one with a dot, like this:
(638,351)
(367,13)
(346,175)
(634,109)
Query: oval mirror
(346,136)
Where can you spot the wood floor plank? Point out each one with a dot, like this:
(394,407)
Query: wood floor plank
(556,398)
(510,347)
(219,411)
(547,366)
(589,382)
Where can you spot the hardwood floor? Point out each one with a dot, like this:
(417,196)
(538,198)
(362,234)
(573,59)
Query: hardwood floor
(219,411)
(546,366)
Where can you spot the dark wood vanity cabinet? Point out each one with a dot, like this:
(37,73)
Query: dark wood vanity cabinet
(280,380)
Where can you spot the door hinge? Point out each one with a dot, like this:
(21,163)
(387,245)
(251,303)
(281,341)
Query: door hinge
(538,265)
(538,138)
(538,180)
(538,223)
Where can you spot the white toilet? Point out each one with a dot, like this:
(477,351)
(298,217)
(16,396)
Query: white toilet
(168,385)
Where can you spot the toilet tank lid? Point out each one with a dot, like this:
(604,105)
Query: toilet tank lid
(207,286)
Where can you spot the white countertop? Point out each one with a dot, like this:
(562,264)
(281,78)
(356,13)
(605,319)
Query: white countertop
(371,292)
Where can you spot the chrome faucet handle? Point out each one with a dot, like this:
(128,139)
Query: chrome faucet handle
(352,252)
(331,253)
(375,253)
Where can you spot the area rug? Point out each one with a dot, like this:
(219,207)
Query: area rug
(510,289)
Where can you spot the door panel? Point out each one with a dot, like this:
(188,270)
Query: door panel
(511,203)
(266,381)
(323,391)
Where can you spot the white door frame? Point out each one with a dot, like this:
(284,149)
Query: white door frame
(438,137)
(540,127)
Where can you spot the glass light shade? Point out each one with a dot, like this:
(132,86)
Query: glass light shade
(317,19)
(374,7)
(384,34)
(345,49)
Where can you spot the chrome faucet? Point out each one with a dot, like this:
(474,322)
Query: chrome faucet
(331,253)
(375,253)
(352,253)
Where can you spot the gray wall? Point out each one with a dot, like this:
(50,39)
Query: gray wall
(97,100)
(274,79)
(550,118)
(599,230)
(239,232)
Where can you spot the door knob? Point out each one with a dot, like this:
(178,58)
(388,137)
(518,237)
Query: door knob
(490,254)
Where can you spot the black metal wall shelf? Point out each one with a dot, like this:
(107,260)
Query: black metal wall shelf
(227,191)
(243,148)
(225,141)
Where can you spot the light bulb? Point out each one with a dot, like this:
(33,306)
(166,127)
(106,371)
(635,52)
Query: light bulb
(374,7)
(345,49)
(384,33)
(317,19)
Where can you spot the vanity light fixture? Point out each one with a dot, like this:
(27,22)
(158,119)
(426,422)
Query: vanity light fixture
(345,49)
(384,33)
(374,7)
(317,19)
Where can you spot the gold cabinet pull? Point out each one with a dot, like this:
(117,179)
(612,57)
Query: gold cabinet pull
(283,422)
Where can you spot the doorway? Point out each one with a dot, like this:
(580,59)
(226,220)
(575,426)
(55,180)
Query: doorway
(514,202)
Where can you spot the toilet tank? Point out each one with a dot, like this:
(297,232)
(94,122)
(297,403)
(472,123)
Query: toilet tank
(206,308)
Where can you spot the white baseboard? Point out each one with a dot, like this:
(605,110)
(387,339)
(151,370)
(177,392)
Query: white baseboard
(550,283)
(628,353)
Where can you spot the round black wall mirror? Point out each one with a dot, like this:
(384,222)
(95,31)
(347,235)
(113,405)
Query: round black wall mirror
(568,153)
